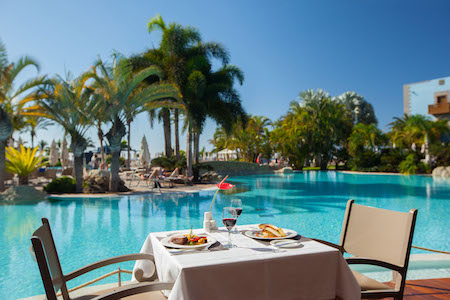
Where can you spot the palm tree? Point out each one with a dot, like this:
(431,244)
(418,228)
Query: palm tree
(248,138)
(175,42)
(418,130)
(15,103)
(117,87)
(361,110)
(42,145)
(33,124)
(212,94)
(365,137)
(69,104)
(98,116)
(179,55)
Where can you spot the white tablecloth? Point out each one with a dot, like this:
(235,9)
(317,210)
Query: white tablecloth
(253,270)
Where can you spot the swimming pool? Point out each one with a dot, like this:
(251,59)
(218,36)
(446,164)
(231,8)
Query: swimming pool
(312,203)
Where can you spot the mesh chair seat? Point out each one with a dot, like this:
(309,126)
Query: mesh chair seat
(369,284)
(155,295)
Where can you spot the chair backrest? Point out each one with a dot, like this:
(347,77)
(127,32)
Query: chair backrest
(67,171)
(48,261)
(50,173)
(377,233)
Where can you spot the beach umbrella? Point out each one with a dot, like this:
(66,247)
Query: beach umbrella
(53,159)
(144,157)
(64,153)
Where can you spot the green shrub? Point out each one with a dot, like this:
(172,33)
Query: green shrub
(169,163)
(441,154)
(61,185)
(391,159)
(412,165)
(367,161)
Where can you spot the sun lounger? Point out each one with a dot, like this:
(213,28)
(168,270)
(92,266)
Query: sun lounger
(176,178)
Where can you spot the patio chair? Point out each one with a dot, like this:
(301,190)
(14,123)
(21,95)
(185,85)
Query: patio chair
(44,250)
(175,177)
(67,172)
(50,174)
(377,237)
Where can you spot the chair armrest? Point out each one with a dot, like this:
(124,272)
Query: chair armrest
(136,289)
(329,244)
(373,262)
(106,262)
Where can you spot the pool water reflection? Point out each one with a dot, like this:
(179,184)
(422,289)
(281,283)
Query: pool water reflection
(312,203)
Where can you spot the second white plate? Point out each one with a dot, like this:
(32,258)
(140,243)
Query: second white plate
(289,235)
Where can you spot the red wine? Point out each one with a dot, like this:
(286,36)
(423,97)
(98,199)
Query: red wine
(238,211)
(229,223)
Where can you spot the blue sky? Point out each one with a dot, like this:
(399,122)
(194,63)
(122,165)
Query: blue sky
(284,47)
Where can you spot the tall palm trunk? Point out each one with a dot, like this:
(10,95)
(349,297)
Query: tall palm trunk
(115,178)
(177,134)
(114,136)
(32,139)
(189,151)
(6,130)
(129,144)
(102,150)
(78,164)
(167,132)
(196,147)
(78,145)
(2,165)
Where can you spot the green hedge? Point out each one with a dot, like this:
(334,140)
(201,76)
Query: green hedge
(61,185)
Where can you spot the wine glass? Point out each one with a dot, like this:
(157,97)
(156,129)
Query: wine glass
(229,219)
(237,204)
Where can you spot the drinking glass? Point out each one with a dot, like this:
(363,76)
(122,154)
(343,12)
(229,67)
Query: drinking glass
(237,204)
(229,218)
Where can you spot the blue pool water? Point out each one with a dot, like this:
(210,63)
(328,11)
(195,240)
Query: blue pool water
(312,203)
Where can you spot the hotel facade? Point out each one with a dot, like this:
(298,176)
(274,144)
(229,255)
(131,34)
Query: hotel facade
(429,97)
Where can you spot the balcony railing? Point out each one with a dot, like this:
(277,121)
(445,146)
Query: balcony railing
(439,108)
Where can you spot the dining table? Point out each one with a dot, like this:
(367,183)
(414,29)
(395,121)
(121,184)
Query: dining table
(252,269)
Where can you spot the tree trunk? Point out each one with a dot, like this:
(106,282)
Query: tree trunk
(23,180)
(114,136)
(2,165)
(177,134)
(115,178)
(196,147)
(32,140)
(102,151)
(78,164)
(129,146)
(323,163)
(167,133)
(189,151)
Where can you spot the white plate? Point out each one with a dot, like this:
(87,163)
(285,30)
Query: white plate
(289,235)
(166,242)
(286,243)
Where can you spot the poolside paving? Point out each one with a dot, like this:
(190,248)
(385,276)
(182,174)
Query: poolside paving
(427,289)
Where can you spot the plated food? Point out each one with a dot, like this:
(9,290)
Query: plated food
(270,232)
(189,239)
